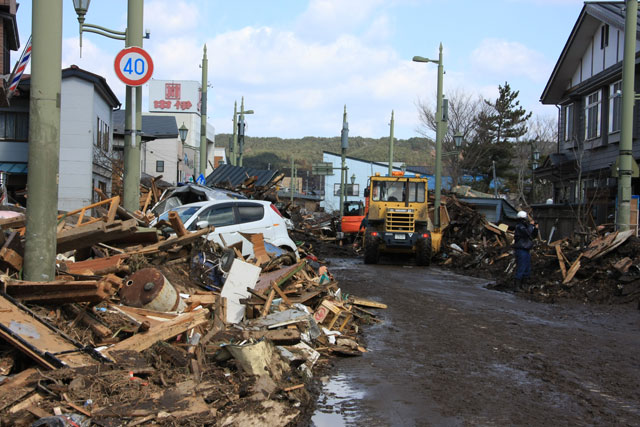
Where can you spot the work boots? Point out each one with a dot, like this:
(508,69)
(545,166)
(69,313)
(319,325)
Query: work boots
(517,284)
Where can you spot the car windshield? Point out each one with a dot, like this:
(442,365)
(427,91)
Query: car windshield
(395,191)
(184,212)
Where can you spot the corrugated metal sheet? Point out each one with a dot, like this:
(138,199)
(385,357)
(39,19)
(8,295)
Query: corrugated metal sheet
(236,175)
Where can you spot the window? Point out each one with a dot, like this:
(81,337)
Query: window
(592,116)
(102,134)
(349,189)
(604,36)
(567,115)
(14,126)
(395,191)
(250,213)
(218,217)
(615,107)
(159,165)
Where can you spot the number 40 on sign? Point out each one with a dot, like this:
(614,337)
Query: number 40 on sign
(133,66)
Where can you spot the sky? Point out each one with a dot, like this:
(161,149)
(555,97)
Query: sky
(299,62)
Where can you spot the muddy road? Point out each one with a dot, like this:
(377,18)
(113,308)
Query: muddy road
(451,352)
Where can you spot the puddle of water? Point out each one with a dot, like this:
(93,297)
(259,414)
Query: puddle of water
(336,403)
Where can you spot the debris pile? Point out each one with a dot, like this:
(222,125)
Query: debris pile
(605,270)
(140,329)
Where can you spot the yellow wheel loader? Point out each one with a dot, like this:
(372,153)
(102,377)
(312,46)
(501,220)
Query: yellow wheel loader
(398,218)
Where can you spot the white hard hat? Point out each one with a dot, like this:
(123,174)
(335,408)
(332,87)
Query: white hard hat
(522,214)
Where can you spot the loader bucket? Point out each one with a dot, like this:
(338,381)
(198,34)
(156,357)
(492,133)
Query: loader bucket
(436,240)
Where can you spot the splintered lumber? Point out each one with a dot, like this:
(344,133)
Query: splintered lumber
(282,295)
(92,234)
(572,271)
(278,336)
(560,256)
(11,253)
(175,241)
(60,291)
(623,265)
(98,266)
(279,276)
(15,222)
(366,302)
(267,305)
(161,332)
(40,341)
(176,224)
(83,316)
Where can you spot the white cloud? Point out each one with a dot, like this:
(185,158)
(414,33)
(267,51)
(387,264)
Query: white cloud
(171,18)
(327,19)
(502,57)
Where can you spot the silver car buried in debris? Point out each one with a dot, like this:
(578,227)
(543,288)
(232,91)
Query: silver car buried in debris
(232,217)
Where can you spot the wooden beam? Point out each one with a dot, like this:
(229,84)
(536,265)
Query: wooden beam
(563,268)
(161,332)
(176,224)
(267,305)
(284,297)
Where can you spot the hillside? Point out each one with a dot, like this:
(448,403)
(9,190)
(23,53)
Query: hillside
(262,152)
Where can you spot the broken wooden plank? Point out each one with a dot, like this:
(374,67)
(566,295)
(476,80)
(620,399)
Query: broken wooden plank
(97,232)
(174,241)
(83,316)
(38,340)
(560,255)
(623,265)
(176,224)
(15,222)
(267,305)
(282,295)
(572,271)
(161,332)
(98,266)
(366,302)
(60,291)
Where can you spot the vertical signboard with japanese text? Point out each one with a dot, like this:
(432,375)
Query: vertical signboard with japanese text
(174,96)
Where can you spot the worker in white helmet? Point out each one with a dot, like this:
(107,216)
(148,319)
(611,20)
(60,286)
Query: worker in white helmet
(526,230)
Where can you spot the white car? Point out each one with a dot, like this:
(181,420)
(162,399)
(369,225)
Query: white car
(232,217)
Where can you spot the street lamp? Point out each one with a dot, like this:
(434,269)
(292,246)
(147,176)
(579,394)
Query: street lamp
(132,37)
(535,156)
(440,129)
(353,183)
(458,139)
(183,131)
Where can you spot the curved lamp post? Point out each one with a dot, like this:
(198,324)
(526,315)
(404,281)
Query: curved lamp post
(440,129)
(132,37)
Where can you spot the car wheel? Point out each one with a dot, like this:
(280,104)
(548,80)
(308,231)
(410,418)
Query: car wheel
(226,260)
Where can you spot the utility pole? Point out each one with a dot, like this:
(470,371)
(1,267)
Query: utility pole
(625,158)
(495,181)
(344,144)
(292,187)
(44,141)
(131,199)
(439,134)
(241,134)
(234,146)
(391,146)
(203,116)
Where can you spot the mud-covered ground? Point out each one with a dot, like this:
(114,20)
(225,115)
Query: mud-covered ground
(452,352)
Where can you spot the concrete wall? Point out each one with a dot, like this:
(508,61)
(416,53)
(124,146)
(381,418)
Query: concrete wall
(169,151)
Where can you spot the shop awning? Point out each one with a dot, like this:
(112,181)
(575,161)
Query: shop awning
(13,167)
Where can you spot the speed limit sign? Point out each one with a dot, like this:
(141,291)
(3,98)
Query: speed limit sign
(133,66)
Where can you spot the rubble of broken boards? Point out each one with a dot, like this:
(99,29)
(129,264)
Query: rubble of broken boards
(140,330)
(602,267)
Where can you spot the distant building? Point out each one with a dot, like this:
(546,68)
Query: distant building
(162,152)
(181,99)
(358,174)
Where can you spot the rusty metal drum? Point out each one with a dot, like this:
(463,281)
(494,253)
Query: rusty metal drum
(149,289)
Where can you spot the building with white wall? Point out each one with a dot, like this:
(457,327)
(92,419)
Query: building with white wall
(181,99)
(86,104)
